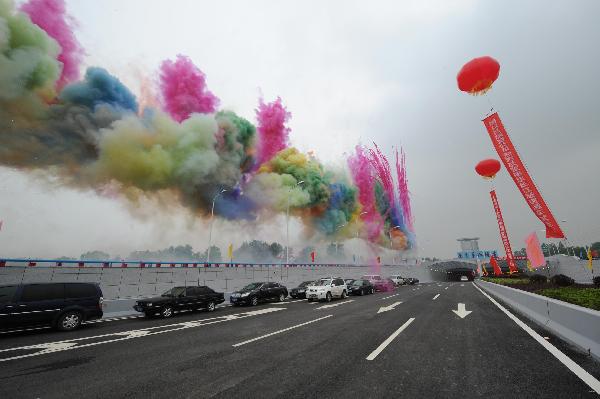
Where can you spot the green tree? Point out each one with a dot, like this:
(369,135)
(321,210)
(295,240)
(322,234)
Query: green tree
(94,255)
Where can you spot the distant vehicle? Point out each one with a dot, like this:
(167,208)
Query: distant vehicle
(397,279)
(254,293)
(327,289)
(180,298)
(300,291)
(64,306)
(384,285)
(373,278)
(464,278)
(349,281)
(412,281)
(361,287)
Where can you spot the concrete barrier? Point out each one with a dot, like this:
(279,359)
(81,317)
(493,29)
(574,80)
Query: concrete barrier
(575,324)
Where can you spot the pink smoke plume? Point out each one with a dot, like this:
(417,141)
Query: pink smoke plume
(147,97)
(51,16)
(383,172)
(403,194)
(183,89)
(273,135)
(362,174)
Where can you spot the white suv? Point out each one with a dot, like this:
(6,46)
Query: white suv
(397,279)
(327,289)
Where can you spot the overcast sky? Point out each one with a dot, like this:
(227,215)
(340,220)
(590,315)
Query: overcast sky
(351,72)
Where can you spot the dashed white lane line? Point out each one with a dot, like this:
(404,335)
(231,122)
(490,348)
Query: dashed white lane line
(462,285)
(286,302)
(335,304)
(446,288)
(280,331)
(385,343)
(391,296)
(436,297)
(586,377)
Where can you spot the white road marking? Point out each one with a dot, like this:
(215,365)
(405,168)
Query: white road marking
(436,297)
(388,308)
(446,288)
(25,329)
(286,302)
(313,303)
(462,312)
(391,296)
(333,305)
(462,285)
(76,343)
(280,331)
(385,343)
(564,359)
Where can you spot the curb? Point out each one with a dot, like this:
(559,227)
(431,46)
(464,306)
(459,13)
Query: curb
(575,324)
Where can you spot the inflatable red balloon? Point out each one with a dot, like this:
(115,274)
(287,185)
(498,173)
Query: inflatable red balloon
(478,75)
(488,168)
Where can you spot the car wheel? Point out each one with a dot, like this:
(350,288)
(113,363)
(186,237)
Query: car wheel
(281,297)
(69,321)
(211,306)
(344,294)
(328,297)
(254,301)
(166,312)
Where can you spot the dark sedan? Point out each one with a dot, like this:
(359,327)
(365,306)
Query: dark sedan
(361,287)
(180,298)
(385,285)
(254,293)
(300,291)
(412,281)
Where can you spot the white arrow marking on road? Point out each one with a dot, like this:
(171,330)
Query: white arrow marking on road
(436,297)
(385,343)
(462,312)
(335,304)
(387,308)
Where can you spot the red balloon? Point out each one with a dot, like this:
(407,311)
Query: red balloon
(478,75)
(488,168)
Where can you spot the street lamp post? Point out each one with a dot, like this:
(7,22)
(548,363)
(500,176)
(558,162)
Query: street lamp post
(287,224)
(212,217)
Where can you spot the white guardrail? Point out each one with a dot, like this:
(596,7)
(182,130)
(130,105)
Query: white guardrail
(575,324)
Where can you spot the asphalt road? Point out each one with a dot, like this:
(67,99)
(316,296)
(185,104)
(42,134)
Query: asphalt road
(417,347)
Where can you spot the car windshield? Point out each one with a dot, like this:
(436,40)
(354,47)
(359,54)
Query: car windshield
(349,281)
(252,286)
(323,282)
(175,291)
(305,283)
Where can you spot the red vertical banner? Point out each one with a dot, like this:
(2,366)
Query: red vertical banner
(503,234)
(512,162)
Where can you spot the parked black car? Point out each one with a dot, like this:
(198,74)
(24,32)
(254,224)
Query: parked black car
(254,293)
(300,291)
(412,281)
(361,287)
(64,306)
(178,299)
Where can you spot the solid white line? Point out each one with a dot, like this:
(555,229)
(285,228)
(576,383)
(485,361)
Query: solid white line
(280,331)
(391,296)
(385,343)
(436,297)
(333,305)
(564,359)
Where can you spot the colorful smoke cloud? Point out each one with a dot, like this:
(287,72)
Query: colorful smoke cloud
(91,133)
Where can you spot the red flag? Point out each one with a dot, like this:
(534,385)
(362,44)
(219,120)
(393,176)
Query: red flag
(512,162)
(312,256)
(534,251)
(504,234)
(497,270)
